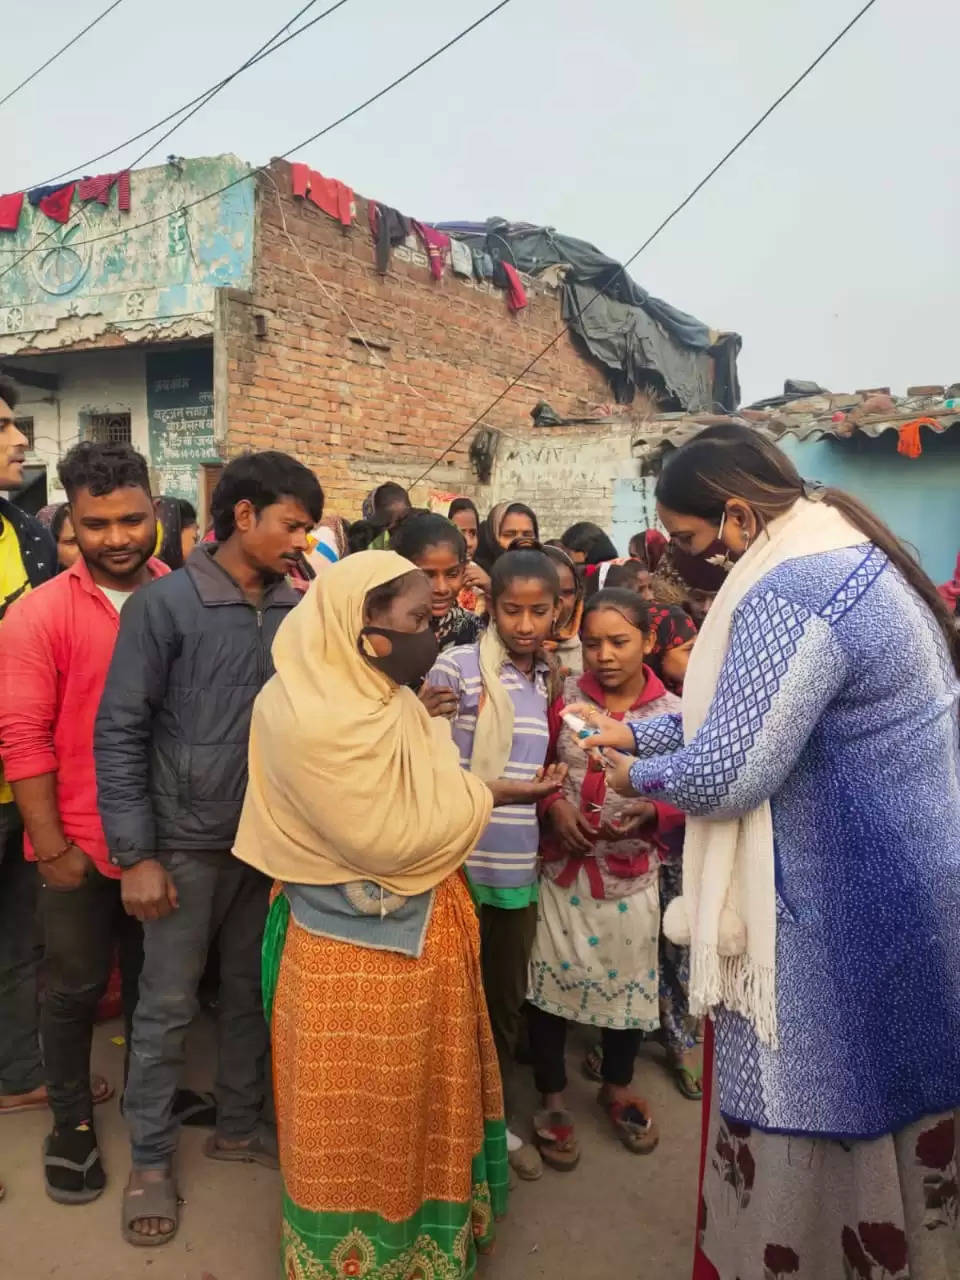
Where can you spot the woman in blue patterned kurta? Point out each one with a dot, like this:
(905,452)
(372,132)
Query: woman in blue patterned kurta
(832,1147)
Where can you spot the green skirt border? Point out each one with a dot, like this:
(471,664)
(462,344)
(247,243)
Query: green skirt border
(439,1242)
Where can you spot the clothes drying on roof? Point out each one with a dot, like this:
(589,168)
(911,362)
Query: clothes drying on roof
(533,250)
(10,207)
(54,201)
(36,194)
(461,259)
(482,264)
(516,293)
(99,188)
(389,228)
(436,243)
(328,194)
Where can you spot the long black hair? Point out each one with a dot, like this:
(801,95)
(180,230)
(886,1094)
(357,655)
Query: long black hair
(589,540)
(361,534)
(735,462)
(523,566)
(464,504)
(421,529)
(637,611)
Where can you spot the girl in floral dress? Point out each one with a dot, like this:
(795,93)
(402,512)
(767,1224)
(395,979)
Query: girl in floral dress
(674,633)
(595,955)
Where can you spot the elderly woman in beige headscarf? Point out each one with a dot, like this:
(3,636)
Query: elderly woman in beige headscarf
(389,1109)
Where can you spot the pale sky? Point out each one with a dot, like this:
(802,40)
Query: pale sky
(829,242)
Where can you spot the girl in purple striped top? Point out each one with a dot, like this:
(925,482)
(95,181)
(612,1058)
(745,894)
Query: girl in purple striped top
(501,688)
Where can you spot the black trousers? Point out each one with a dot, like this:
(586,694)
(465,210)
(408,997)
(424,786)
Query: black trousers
(548,1041)
(81,929)
(20,1068)
(506,940)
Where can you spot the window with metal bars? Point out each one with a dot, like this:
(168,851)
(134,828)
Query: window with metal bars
(109,428)
(26,426)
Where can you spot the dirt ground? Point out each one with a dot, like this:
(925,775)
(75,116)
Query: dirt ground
(616,1217)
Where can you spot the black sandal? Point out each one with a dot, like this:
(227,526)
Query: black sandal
(197,1110)
(72,1171)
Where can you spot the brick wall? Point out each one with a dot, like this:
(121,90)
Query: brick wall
(442,351)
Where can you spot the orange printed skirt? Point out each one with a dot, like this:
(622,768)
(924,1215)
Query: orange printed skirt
(388,1099)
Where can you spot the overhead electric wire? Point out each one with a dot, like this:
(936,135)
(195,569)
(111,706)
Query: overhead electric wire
(656,232)
(305,142)
(54,56)
(205,97)
(265,51)
(212,93)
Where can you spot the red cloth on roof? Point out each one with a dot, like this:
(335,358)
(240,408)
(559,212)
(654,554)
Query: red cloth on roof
(516,293)
(437,245)
(57,204)
(328,194)
(910,443)
(99,188)
(10,207)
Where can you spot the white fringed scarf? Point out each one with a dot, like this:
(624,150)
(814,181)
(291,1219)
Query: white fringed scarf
(727,913)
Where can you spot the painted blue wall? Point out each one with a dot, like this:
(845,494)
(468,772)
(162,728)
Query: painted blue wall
(634,509)
(919,498)
(160,261)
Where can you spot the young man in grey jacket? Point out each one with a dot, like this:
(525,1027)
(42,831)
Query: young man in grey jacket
(171,753)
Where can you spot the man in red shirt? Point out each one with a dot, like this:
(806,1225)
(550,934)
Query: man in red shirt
(55,650)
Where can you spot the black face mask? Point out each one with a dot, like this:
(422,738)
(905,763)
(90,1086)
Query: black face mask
(412,653)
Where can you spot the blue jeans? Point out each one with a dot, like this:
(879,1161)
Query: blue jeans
(21,1069)
(224,899)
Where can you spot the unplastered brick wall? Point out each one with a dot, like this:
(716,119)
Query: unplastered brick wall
(297,377)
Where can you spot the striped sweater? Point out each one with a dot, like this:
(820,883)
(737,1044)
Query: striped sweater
(506,853)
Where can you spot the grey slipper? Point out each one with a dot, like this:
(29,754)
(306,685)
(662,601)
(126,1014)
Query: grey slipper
(152,1200)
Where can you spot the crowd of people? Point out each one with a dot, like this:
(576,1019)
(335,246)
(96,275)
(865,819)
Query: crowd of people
(414,793)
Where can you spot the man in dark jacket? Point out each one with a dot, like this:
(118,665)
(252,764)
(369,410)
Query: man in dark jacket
(28,558)
(171,754)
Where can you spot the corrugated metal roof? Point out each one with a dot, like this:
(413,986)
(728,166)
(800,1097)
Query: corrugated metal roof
(840,416)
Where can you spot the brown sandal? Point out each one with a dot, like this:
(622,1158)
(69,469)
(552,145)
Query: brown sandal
(101,1090)
(261,1149)
(632,1123)
(556,1141)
